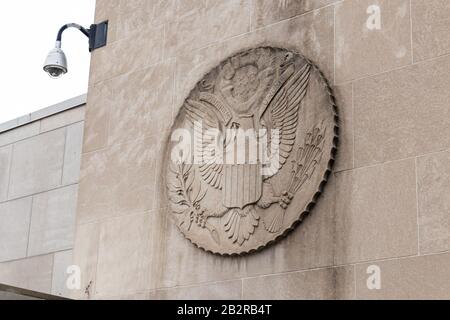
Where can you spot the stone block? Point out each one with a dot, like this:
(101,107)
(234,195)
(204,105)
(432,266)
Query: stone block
(421,278)
(20,133)
(125,255)
(5,164)
(327,284)
(118,180)
(433,175)
(14,228)
(218,21)
(267,12)
(85,256)
(403,113)
(53,221)
(364,48)
(62,119)
(430,28)
(100,99)
(72,154)
(37,164)
(376,207)
(136,113)
(138,51)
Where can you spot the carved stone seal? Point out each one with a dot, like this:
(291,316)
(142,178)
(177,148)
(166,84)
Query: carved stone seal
(251,150)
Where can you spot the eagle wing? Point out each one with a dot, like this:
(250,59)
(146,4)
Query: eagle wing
(284,110)
(203,121)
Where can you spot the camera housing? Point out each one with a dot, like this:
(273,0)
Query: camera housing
(56,63)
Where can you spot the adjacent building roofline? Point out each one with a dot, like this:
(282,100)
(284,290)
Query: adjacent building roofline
(27,294)
(44,113)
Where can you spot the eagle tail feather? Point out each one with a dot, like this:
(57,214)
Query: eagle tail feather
(241,224)
(275,221)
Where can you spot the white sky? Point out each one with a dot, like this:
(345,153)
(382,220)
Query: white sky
(28,31)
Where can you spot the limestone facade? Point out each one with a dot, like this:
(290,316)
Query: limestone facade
(385,204)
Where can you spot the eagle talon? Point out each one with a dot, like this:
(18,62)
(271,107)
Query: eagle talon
(285,199)
(199,217)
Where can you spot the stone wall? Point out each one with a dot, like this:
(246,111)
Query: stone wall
(39,170)
(387,201)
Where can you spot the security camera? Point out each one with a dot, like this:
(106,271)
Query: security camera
(56,62)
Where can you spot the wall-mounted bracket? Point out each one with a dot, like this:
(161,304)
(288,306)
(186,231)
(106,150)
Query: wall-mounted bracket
(98,35)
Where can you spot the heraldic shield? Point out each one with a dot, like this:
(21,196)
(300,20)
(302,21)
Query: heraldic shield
(281,101)
(242,185)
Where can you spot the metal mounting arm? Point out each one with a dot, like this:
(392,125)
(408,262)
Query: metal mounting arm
(97,34)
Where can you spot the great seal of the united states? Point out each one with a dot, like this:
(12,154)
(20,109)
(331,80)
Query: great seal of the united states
(251,150)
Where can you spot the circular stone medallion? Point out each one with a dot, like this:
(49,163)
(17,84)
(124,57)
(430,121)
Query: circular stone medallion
(250,150)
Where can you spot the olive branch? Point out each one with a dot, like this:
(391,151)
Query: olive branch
(186,195)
